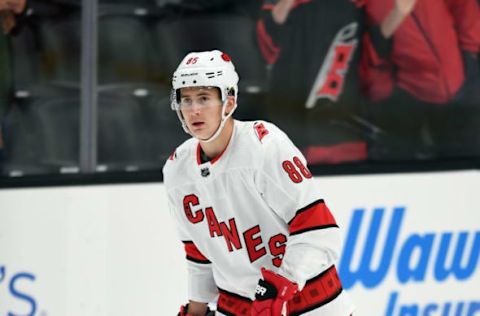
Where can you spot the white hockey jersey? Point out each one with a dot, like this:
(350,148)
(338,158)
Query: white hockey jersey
(255,205)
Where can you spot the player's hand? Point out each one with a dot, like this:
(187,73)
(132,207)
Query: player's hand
(405,6)
(184,311)
(272,293)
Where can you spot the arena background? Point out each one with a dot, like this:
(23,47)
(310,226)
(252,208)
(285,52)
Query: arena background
(86,126)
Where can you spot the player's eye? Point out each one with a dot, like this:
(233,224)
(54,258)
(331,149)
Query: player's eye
(186,102)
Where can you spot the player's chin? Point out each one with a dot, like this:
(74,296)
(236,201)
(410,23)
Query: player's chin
(204,135)
(199,133)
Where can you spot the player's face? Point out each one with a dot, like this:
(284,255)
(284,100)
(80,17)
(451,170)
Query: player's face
(201,108)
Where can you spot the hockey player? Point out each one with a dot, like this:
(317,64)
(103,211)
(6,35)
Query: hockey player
(256,231)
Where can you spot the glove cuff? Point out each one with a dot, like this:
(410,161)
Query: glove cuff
(265,291)
(285,289)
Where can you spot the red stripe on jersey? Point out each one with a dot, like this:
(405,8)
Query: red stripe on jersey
(193,254)
(214,160)
(313,216)
(199,160)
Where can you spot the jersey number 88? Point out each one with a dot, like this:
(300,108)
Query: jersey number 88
(296,170)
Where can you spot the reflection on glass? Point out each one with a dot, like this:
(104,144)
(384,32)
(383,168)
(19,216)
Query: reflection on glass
(302,74)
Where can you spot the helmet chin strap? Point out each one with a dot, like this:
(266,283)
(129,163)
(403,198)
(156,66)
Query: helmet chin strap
(220,126)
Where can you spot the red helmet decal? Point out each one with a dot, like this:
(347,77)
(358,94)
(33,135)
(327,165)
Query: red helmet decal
(226,57)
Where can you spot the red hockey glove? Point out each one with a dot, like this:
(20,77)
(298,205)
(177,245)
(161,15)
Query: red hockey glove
(272,293)
(184,311)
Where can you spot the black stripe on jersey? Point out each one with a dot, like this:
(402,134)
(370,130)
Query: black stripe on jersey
(313,228)
(197,261)
(303,209)
(235,295)
(242,299)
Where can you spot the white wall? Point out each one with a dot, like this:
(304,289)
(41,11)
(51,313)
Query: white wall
(112,250)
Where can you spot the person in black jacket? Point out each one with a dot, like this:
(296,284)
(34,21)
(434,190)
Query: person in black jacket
(312,48)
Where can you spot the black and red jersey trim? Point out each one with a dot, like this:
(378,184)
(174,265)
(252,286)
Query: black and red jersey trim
(214,160)
(306,208)
(314,216)
(318,291)
(193,254)
(313,228)
(232,304)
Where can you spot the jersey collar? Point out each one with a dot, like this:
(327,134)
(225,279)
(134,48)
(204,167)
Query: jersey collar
(214,160)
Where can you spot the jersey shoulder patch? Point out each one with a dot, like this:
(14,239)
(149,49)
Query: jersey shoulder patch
(260,130)
(266,132)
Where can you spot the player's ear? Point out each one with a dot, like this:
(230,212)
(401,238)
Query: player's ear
(230,103)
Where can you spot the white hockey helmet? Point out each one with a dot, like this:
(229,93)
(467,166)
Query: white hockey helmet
(206,69)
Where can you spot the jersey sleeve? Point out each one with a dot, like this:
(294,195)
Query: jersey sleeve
(466,16)
(201,284)
(289,189)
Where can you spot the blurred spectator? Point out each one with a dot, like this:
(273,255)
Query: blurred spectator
(425,79)
(9,10)
(311,46)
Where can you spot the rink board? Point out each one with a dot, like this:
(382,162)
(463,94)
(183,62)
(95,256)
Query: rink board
(411,247)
